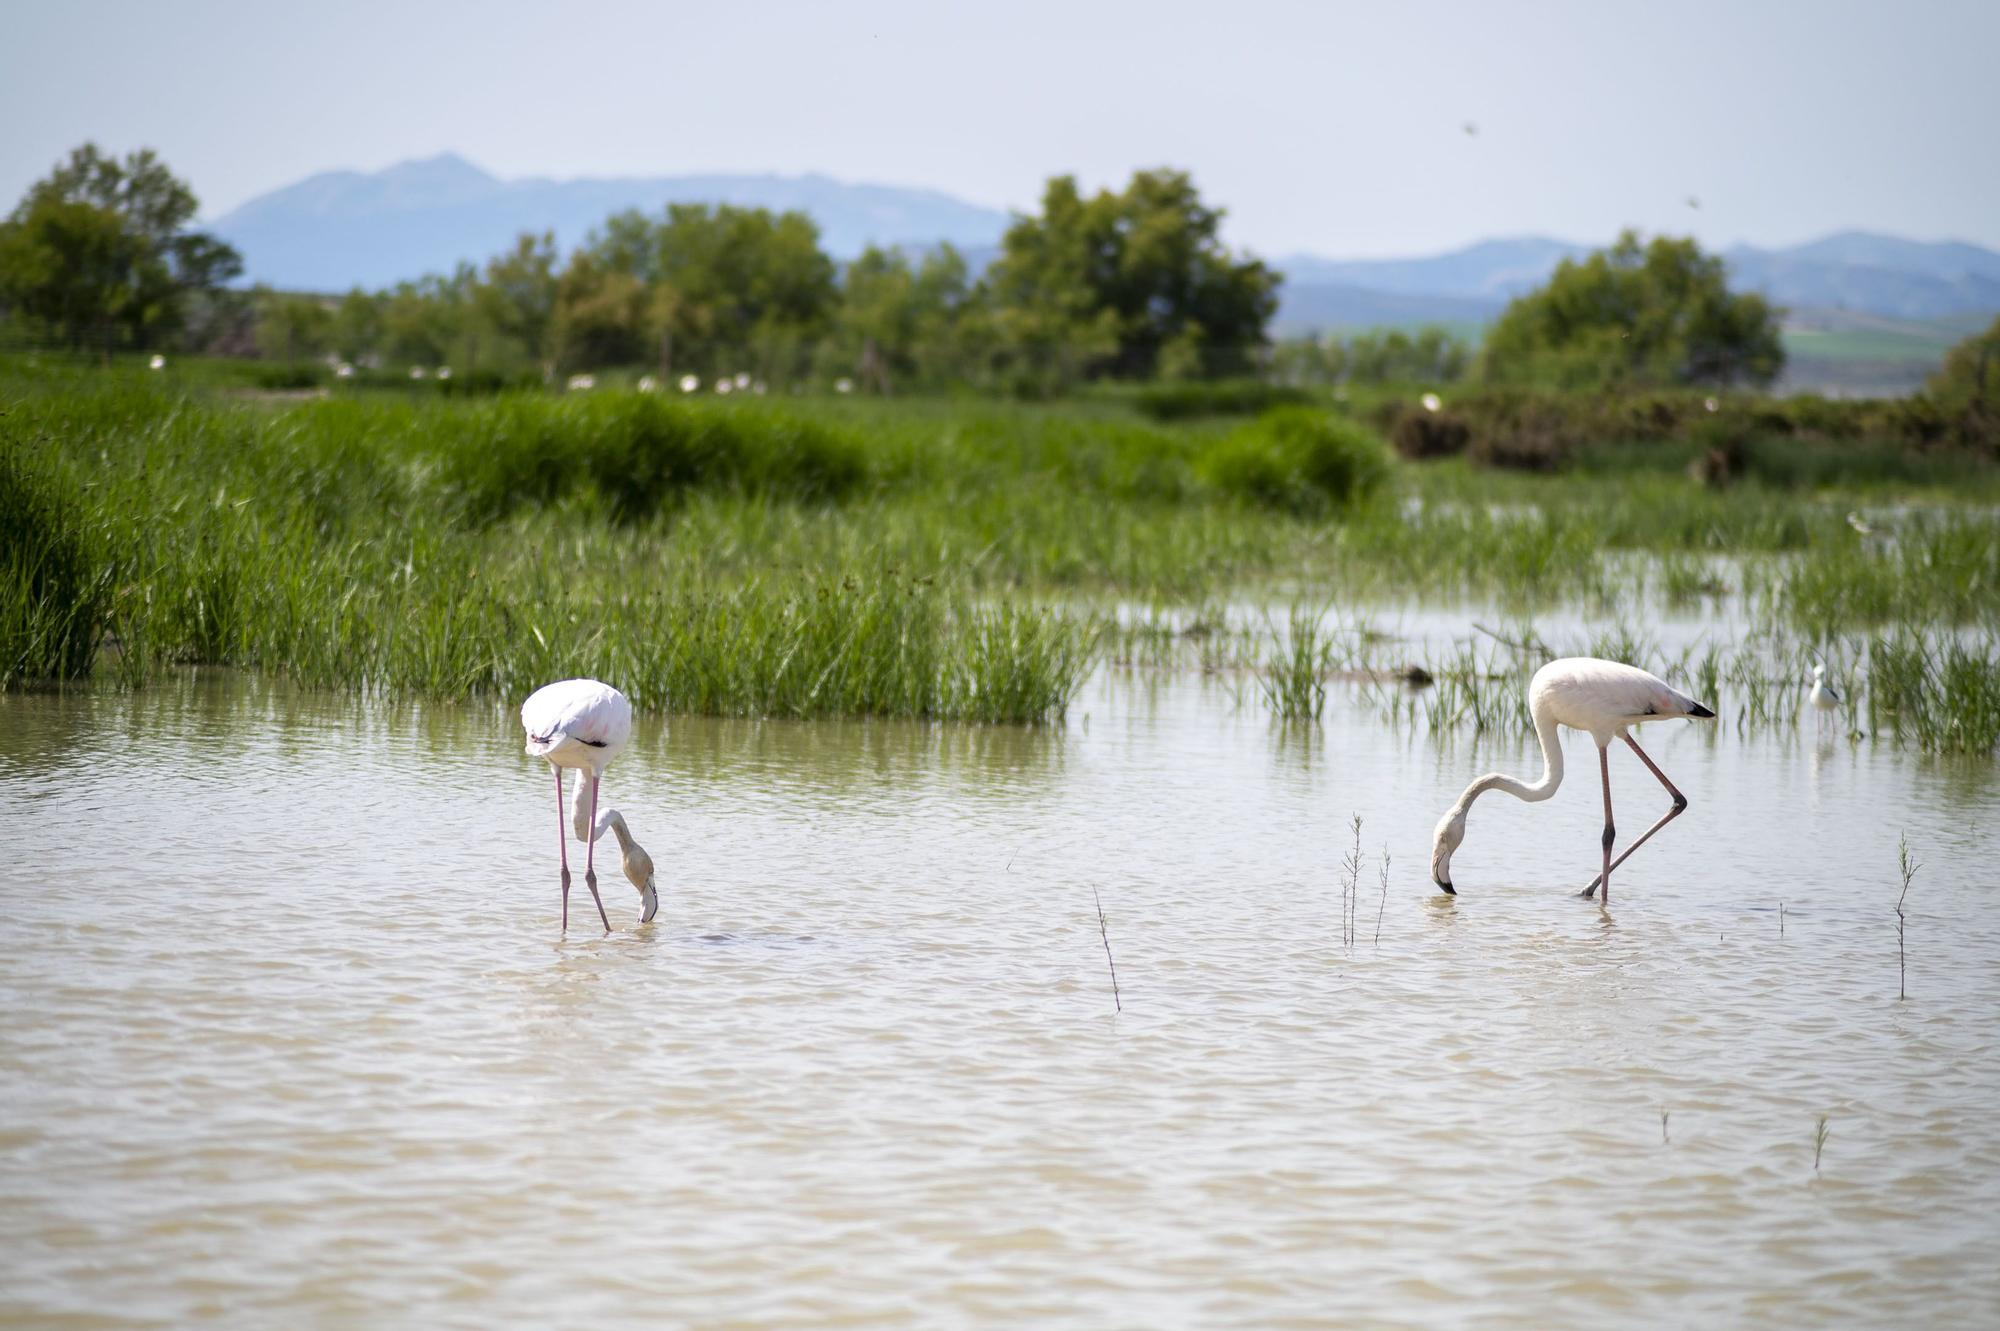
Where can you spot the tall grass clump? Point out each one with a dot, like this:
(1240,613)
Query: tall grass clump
(1943,693)
(1298,460)
(634,453)
(1220,397)
(55,588)
(1293,678)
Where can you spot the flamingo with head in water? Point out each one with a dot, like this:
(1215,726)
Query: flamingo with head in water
(1604,698)
(583,724)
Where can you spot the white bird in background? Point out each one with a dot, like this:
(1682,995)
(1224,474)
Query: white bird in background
(1823,696)
(583,724)
(1583,693)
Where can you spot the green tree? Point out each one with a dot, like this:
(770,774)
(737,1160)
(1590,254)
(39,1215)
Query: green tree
(903,323)
(743,289)
(603,314)
(1965,392)
(436,321)
(1106,285)
(357,325)
(99,251)
(1653,314)
(291,326)
(517,298)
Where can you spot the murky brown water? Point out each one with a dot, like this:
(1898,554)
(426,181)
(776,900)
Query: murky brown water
(291,1039)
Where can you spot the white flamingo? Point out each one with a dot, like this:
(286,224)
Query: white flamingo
(1583,693)
(583,724)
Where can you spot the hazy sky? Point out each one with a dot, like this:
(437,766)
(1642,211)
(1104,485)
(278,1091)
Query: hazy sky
(1330,128)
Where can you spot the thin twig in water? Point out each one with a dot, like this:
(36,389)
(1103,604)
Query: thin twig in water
(1908,866)
(1384,904)
(1663,1127)
(1350,886)
(1819,1141)
(1781,919)
(1104,932)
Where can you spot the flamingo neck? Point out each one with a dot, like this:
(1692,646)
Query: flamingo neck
(1552,770)
(607,819)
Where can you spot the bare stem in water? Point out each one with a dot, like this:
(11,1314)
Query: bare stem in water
(1908,866)
(1663,1127)
(1383,905)
(1104,932)
(1350,886)
(1819,1141)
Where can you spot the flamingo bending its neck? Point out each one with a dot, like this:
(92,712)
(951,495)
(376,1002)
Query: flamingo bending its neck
(583,724)
(1605,698)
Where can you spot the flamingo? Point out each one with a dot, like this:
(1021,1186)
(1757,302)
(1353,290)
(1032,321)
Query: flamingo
(583,724)
(1605,698)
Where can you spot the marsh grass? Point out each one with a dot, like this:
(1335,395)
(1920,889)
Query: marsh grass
(55,587)
(1293,677)
(921,558)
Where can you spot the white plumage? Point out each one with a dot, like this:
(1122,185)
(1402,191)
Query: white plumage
(1604,698)
(1822,694)
(582,723)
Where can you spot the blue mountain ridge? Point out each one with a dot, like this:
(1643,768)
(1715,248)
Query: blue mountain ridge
(340,229)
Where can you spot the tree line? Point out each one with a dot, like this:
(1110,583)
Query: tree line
(1133,284)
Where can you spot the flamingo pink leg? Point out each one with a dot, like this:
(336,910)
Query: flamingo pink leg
(562,844)
(1610,831)
(1680,807)
(589,856)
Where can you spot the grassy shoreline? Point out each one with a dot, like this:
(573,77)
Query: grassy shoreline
(940,558)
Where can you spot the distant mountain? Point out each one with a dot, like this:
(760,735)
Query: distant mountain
(340,229)
(1852,271)
(1492,271)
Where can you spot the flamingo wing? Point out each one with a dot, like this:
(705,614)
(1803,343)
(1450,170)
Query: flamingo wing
(582,710)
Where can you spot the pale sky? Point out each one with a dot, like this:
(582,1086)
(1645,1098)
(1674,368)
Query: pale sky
(1331,128)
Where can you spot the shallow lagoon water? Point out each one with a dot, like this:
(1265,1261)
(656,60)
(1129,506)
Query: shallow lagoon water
(291,1037)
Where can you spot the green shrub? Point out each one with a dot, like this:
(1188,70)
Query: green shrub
(285,378)
(1430,434)
(1299,460)
(1222,397)
(636,453)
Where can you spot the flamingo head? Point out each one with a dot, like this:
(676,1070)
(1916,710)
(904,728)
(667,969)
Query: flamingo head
(639,871)
(1450,831)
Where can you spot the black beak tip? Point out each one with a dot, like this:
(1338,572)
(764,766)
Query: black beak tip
(1449,890)
(1700,713)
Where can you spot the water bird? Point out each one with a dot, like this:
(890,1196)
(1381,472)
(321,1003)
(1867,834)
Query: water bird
(582,723)
(1823,696)
(1605,698)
